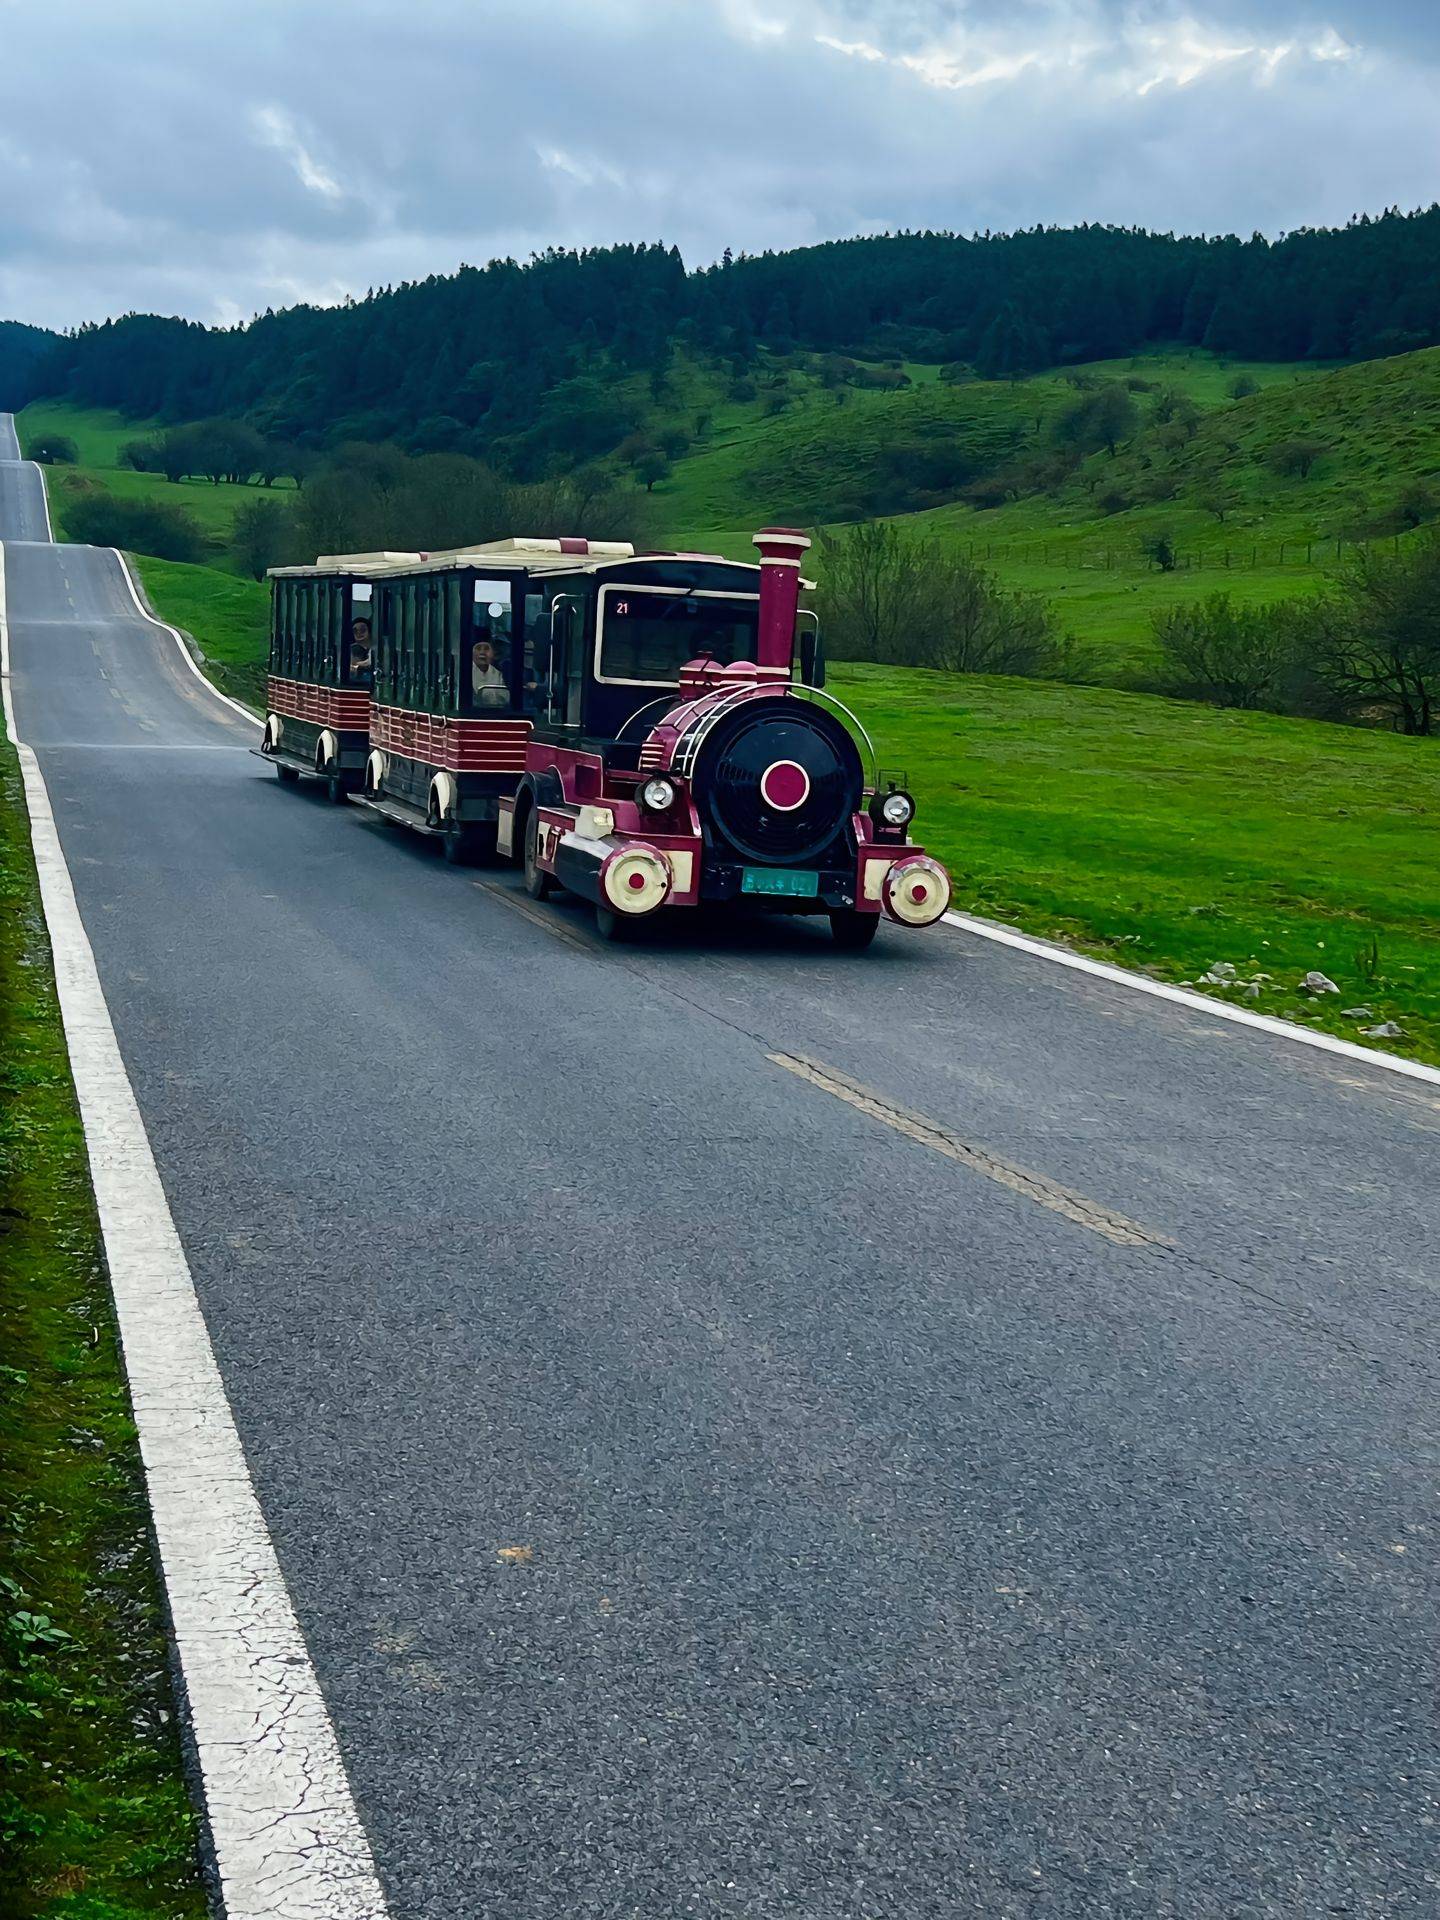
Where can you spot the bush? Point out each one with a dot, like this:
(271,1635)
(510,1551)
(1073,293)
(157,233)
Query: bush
(1294,459)
(263,537)
(1242,387)
(54,450)
(141,526)
(144,456)
(1102,419)
(1231,656)
(1417,504)
(1369,650)
(914,603)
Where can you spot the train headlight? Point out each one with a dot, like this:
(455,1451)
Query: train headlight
(658,795)
(635,879)
(916,891)
(893,809)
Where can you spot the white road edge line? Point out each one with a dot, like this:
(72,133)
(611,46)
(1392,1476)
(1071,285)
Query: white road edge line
(144,612)
(1196,1002)
(287,1839)
(44,496)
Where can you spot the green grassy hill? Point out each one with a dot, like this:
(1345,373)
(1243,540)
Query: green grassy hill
(98,435)
(1236,522)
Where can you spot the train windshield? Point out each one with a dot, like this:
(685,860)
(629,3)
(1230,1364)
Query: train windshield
(647,637)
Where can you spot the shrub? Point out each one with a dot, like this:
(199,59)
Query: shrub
(1370,648)
(908,602)
(1102,419)
(142,526)
(1417,504)
(1293,459)
(54,450)
(1231,656)
(263,537)
(142,455)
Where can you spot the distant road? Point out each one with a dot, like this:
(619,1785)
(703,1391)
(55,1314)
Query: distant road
(1023,1508)
(22,491)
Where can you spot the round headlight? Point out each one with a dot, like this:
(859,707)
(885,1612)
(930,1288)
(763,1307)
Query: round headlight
(897,809)
(658,795)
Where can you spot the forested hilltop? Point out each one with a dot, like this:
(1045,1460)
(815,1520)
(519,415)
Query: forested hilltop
(517,363)
(20,348)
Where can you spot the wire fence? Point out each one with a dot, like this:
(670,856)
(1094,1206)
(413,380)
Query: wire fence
(1248,556)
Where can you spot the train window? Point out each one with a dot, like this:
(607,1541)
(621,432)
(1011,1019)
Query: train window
(490,632)
(404,641)
(424,644)
(277,627)
(535,668)
(360,640)
(646,635)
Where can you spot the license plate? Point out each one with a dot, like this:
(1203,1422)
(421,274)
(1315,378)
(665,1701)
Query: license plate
(783,880)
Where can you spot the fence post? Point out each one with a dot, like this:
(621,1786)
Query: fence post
(1308,546)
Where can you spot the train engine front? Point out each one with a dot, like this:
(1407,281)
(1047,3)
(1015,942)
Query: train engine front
(747,789)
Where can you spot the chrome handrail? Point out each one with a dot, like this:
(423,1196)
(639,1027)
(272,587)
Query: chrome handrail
(691,743)
(802,691)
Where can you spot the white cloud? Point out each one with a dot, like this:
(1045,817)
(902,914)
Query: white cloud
(275,128)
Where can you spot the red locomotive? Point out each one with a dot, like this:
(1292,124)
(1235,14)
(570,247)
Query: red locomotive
(683,752)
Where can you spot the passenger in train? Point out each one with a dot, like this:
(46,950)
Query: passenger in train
(361,664)
(487,677)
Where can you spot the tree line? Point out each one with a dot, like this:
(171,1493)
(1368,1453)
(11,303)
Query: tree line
(517,363)
(359,498)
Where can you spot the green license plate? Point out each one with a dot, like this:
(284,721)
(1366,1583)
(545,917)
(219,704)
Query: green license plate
(786,880)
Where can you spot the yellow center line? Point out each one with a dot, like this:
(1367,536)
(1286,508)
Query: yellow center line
(536,915)
(927,1133)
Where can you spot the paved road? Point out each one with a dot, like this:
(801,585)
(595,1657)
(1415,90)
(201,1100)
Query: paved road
(1033,1514)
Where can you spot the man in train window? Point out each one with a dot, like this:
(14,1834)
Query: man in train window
(488,685)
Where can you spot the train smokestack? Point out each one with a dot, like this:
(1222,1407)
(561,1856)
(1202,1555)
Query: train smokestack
(780,551)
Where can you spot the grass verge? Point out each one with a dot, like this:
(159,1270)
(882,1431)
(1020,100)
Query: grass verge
(95,1823)
(1169,837)
(228,619)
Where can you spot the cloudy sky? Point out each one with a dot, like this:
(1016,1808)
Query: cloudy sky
(213,159)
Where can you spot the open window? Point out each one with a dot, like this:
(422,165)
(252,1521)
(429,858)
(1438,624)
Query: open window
(491,670)
(359,640)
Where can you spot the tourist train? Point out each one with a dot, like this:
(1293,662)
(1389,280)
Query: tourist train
(649,731)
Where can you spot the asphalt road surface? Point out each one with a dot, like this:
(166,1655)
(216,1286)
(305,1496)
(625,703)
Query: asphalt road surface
(1030,1511)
